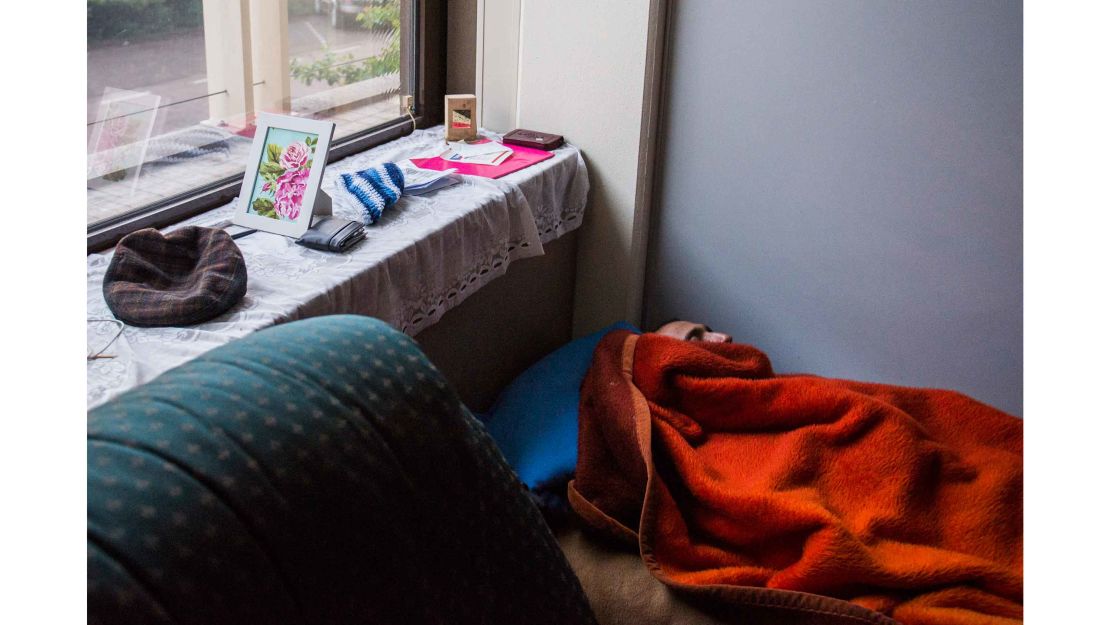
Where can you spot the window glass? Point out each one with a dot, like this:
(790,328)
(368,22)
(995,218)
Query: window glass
(173,85)
(345,62)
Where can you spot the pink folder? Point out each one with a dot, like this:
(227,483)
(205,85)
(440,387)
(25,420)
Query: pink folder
(522,157)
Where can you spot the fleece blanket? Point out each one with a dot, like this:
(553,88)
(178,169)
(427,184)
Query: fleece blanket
(845,501)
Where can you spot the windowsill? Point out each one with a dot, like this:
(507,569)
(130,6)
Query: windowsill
(426,255)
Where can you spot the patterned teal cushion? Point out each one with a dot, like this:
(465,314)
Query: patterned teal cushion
(318,472)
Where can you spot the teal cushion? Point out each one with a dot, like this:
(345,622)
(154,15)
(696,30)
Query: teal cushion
(535,419)
(321,471)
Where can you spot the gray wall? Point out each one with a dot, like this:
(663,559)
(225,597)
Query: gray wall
(841,187)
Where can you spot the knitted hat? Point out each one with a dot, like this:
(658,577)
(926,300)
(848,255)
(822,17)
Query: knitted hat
(376,189)
(187,276)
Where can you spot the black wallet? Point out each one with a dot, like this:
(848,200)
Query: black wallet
(332,234)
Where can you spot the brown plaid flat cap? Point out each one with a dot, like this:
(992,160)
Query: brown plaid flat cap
(187,276)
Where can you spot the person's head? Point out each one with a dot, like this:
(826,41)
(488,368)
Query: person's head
(690,331)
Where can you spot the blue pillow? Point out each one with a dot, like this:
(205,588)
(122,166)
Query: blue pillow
(535,420)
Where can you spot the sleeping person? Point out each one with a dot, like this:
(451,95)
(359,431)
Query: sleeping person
(690,331)
(861,501)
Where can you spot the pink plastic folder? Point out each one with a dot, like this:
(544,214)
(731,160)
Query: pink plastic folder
(522,157)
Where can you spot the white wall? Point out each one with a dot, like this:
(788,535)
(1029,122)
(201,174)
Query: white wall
(579,73)
(496,65)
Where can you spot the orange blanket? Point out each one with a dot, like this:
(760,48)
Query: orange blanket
(757,487)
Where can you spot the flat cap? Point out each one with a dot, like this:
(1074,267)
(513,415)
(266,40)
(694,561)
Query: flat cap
(184,277)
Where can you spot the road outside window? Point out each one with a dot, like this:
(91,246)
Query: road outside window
(174,85)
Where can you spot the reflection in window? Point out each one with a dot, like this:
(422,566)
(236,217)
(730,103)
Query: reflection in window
(173,85)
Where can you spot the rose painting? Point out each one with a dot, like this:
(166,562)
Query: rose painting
(283,174)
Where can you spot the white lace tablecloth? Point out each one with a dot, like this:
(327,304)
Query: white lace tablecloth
(425,256)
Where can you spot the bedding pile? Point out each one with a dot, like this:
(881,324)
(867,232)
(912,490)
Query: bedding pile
(846,501)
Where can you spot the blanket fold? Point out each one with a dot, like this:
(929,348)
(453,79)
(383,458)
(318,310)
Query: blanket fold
(868,501)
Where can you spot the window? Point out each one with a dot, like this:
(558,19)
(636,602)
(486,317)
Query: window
(173,86)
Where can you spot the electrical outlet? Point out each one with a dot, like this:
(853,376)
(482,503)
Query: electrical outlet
(407,104)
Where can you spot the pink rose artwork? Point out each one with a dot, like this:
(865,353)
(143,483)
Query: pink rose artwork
(294,156)
(289,192)
(283,173)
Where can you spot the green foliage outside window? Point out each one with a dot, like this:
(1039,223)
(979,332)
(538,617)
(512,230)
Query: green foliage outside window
(344,70)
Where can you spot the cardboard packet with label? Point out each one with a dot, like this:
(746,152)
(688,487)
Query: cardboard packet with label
(460,117)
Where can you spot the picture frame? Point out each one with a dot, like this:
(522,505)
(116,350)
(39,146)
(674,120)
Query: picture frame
(117,147)
(281,186)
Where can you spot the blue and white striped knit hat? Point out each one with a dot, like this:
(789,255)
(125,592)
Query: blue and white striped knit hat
(376,189)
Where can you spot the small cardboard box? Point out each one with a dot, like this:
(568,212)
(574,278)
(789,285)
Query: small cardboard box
(460,117)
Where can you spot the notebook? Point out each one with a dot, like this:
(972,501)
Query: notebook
(522,157)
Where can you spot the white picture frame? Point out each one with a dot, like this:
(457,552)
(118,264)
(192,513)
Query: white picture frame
(117,147)
(282,182)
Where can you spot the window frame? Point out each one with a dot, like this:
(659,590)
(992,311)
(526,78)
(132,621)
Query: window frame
(429,79)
